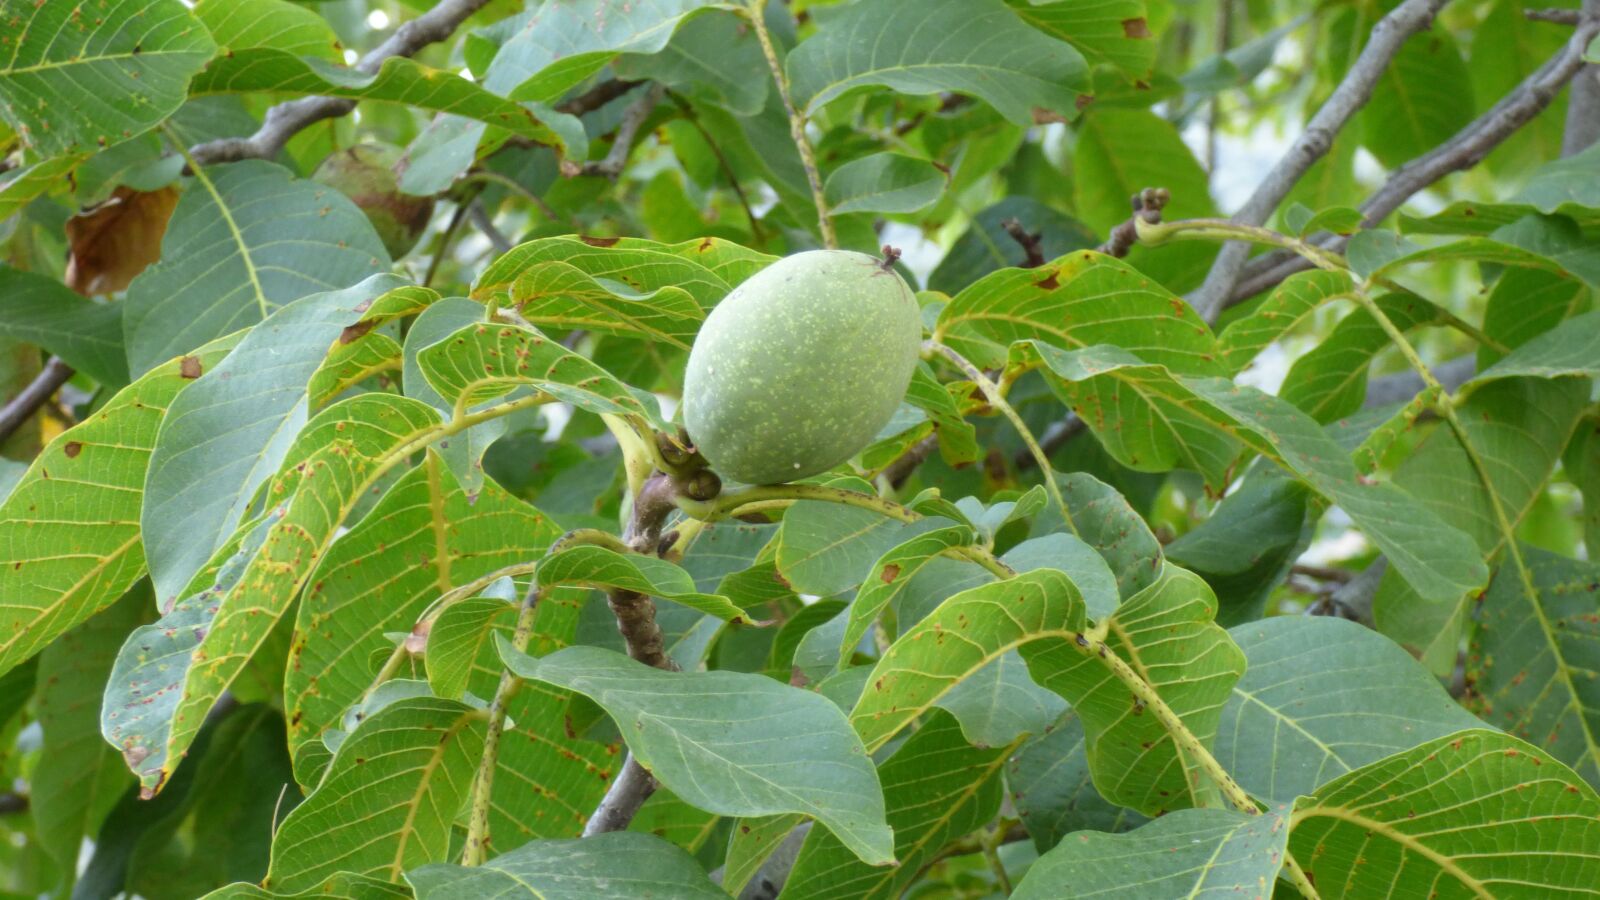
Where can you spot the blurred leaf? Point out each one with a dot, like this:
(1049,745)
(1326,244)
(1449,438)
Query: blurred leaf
(1284,735)
(85,334)
(1052,789)
(72,542)
(407,769)
(616,865)
(1330,381)
(338,886)
(75,84)
(885,183)
(1422,98)
(1289,304)
(1526,303)
(598,567)
(114,241)
(1246,547)
(1562,183)
(715,55)
(750,757)
(1475,813)
(277,24)
(1572,349)
(985,246)
(1191,852)
(246,239)
(976,47)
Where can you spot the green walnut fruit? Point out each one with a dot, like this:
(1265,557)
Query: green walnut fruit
(365,174)
(801,366)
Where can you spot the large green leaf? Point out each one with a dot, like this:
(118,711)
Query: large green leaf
(1117,32)
(1330,382)
(731,743)
(1422,98)
(894,571)
(1053,790)
(1572,349)
(598,567)
(278,24)
(85,334)
(1188,853)
(406,771)
(1166,633)
(976,47)
(78,81)
(1283,734)
(399,80)
(1438,561)
(964,634)
(170,673)
(225,437)
(937,789)
(1288,305)
(1517,428)
(79,777)
(883,183)
(1533,660)
(715,56)
(1271,518)
(69,530)
(619,865)
(338,886)
(446,538)
(1475,814)
(245,239)
(1526,303)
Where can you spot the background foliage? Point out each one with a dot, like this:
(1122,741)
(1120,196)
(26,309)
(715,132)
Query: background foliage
(349,549)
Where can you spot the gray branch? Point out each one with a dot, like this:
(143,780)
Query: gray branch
(38,392)
(631,788)
(285,120)
(1352,93)
(1583,106)
(1463,150)
(611,166)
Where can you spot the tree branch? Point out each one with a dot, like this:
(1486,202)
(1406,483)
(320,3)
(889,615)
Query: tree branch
(1583,105)
(1028,241)
(285,120)
(1463,150)
(622,145)
(1557,16)
(38,392)
(1314,142)
(1147,206)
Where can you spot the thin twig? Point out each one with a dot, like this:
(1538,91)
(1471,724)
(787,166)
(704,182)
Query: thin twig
(1388,35)
(11,804)
(596,97)
(445,237)
(1032,246)
(1463,150)
(37,393)
(1147,206)
(897,472)
(1557,16)
(285,120)
(797,122)
(482,222)
(622,146)
(693,119)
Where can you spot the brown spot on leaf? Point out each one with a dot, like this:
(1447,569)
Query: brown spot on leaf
(351,333)
(1049,283)
(890,573)
(1136,28)
(599,241)
(72,449)
(189,367)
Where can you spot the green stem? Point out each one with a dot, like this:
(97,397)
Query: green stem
(731,502)
(986,559)
(995,398)
(1188,745)
(990,844)
(797,122)
(483,782)
(1223,230)
(1297,876)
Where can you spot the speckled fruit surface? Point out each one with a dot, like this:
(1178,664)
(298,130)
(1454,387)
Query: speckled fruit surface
(365,174)
(801,366)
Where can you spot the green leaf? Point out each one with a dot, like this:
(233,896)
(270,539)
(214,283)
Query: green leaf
(1526,303)
(277,24)
(1053,791)
(406,769)
(965,633)
(731,743)
(347,365)
(1477,813)
(827,548)
(618,865)
(1437,560)
(463,453)
(1289,304)
(170,673)
(1532,663)
(1572,349)
(1517,426)
(224,438)
(1167,633)
(1330,381)
(1114,32)
(447,538)
(889,576)
(937,789)
(80,778)
(1001,703)
(715,55)
(1564,183)
(69,530)
(399,80)
(1284,735)
(1581,461)
(1188,853)
(1269,518)
(598,567)
(487,361)
(976,47)
(43,311)
(1113,528)
(1423,97)
(883,183)
(338,886)
(76,83)
(246,239)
